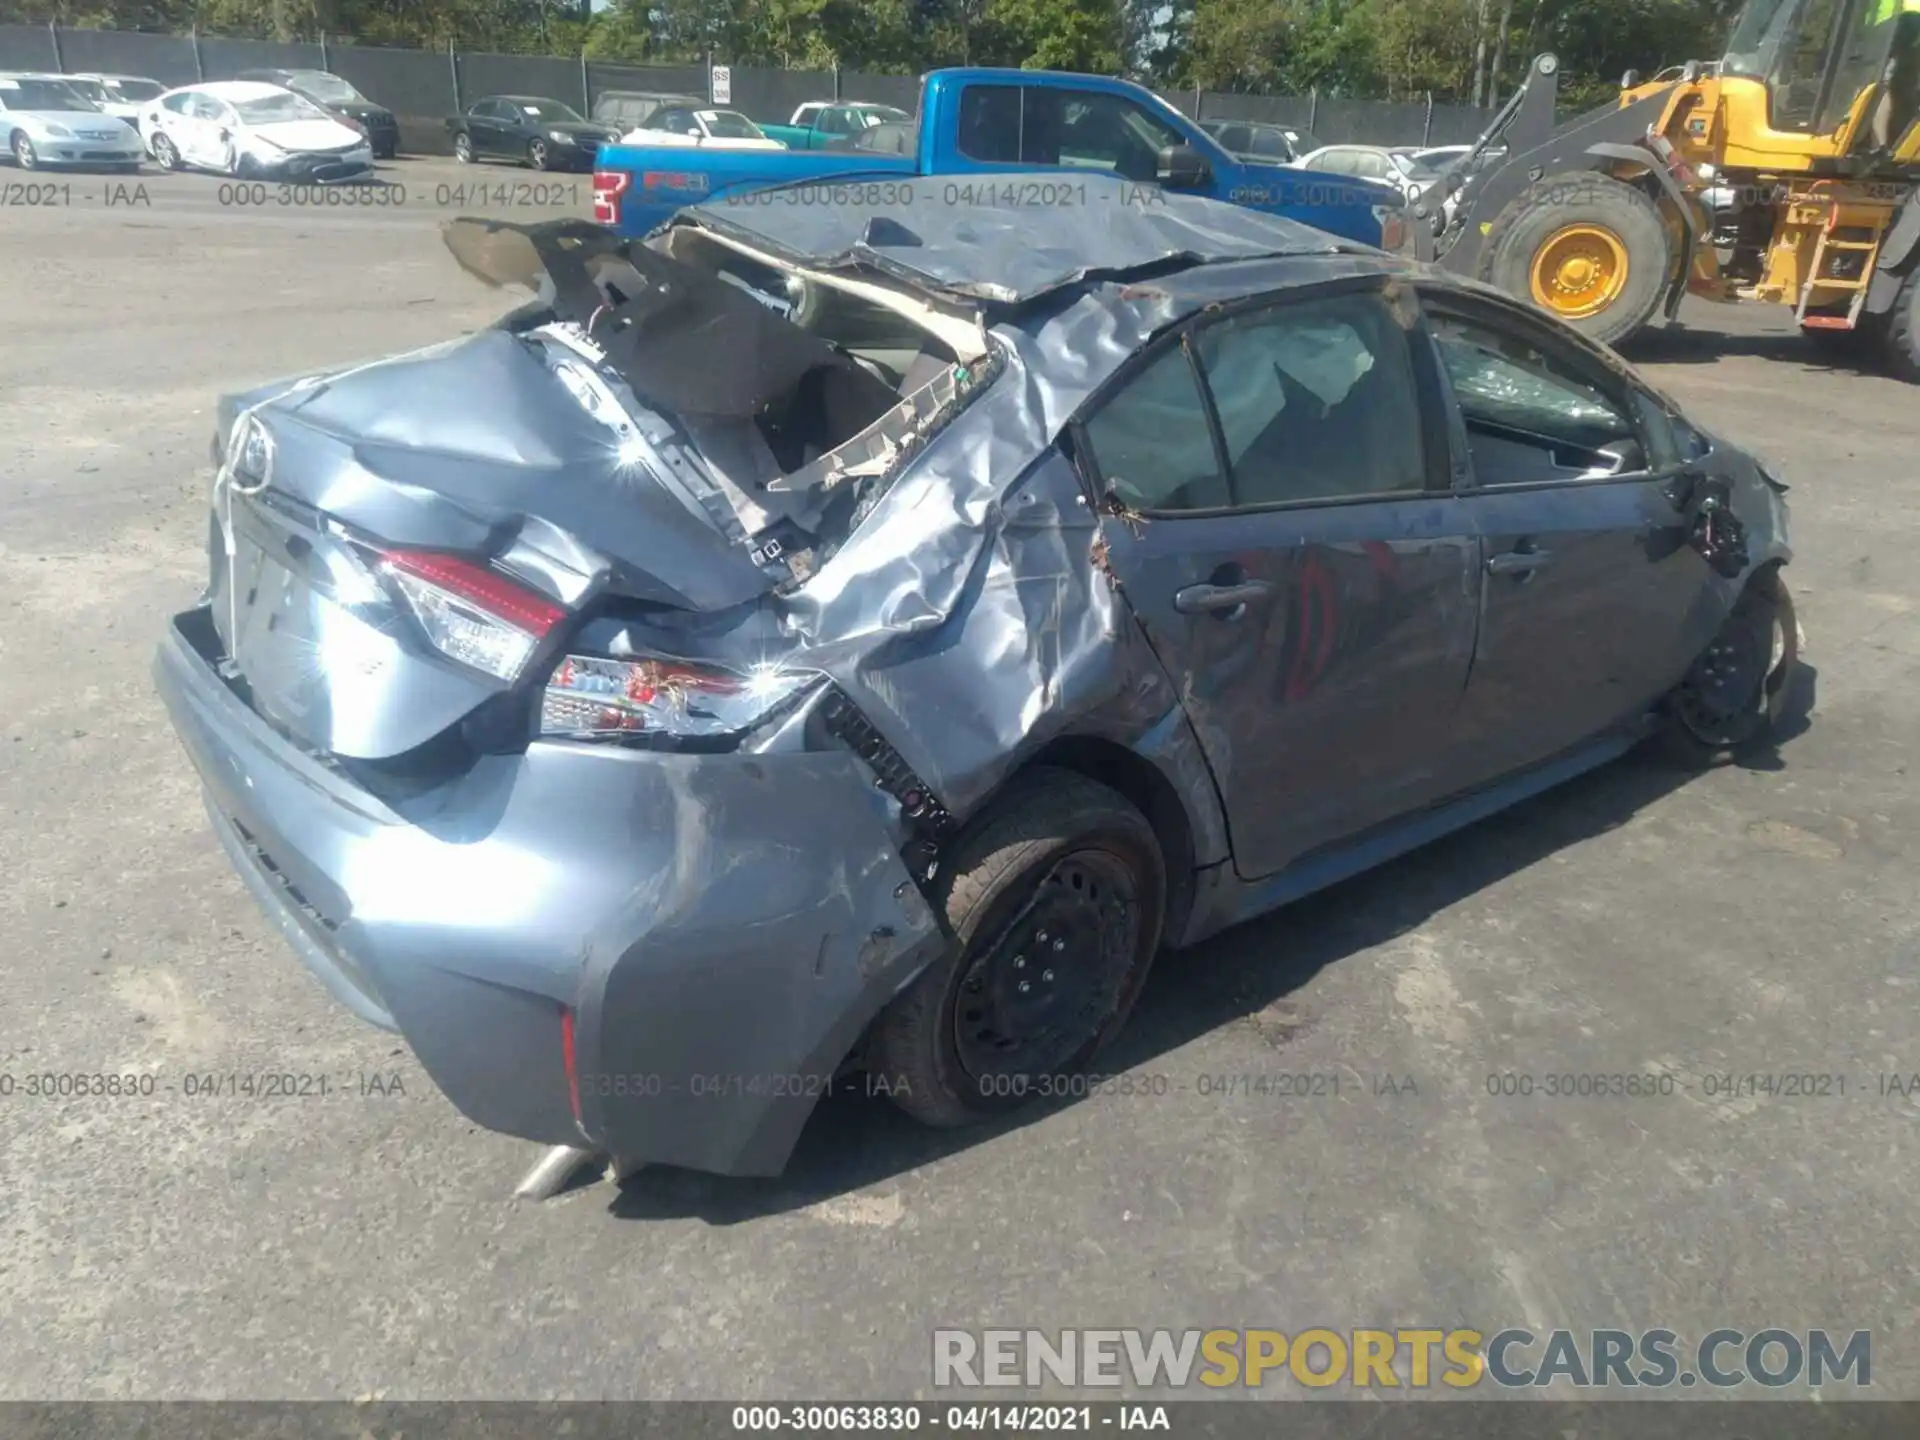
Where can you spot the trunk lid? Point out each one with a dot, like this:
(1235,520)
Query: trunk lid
(643,440)
(474,449)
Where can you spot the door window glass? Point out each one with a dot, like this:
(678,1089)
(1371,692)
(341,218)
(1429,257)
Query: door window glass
(1316,401)
(1152,442)
(1083,129)
(1531,414)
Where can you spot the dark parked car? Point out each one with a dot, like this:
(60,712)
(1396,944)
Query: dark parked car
(542,133)
(889,137)
(624,110)
(825,640)
(1258,140)
(338,96)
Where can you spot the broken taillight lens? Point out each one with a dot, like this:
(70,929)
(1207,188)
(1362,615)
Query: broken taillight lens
(471,613)
(608,187)
(589,696)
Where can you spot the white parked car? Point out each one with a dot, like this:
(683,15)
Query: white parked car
(46,122)
(1371,162)
(118,95)
(247,129)
(709,129)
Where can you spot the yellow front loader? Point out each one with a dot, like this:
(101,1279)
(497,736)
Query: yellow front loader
(1783,172)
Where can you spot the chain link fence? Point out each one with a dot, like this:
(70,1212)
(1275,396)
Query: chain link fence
(424,87)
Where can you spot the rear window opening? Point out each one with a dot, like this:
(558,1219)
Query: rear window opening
(803,392)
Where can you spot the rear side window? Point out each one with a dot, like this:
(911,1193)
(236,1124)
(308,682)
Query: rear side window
(1317,401)
(990,123)
(1152,443)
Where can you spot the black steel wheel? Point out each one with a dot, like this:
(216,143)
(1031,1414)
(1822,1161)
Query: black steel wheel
(1055,898)
(1733,695)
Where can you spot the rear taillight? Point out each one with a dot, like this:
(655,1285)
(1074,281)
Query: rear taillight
(608,187)
(593,696)
(471,613)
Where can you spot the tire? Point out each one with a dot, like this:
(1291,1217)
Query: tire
(1562,210)
(23,153)
(1900,347)
(164,153)
(537,154)
(463,148)
(1709,722)
(1060,857)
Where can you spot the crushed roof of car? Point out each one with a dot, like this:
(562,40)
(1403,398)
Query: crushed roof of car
(1072,227)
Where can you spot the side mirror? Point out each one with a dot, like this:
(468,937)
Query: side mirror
(1630,80)
(1181,167)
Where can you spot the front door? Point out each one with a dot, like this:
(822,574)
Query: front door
(1594,602)
(1293,555)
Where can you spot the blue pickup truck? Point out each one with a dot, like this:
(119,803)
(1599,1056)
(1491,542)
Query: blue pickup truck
(976,123)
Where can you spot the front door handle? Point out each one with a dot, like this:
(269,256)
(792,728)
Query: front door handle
(1211,599)
(1518,562)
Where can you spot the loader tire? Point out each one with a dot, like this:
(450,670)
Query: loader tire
(1901,345)
(1586,249)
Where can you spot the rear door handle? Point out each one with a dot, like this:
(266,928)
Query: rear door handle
(1518,562)
(1209,599)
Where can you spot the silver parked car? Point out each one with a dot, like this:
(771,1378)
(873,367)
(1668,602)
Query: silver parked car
(47,123)
(815,640)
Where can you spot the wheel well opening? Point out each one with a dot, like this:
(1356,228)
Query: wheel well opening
(1143,786)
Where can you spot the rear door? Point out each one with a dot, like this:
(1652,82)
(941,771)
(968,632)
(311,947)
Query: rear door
(1295,557)
(1594,602)
(482,128)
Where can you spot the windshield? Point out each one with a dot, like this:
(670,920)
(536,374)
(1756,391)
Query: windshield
(92,89)
(43,95)
(729,125)
(328,89)
(1756,37)
(137,89)
(278,109)
(545,110)
(881,114)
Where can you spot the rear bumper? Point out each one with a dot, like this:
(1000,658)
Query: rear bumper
(722,927)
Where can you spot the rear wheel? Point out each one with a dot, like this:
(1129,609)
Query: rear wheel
(1055,900)
(463,149)
(1901,345)
(1733,696)
(165,154)
(1585,248)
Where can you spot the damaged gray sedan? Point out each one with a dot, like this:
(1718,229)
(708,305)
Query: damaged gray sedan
(821,640)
